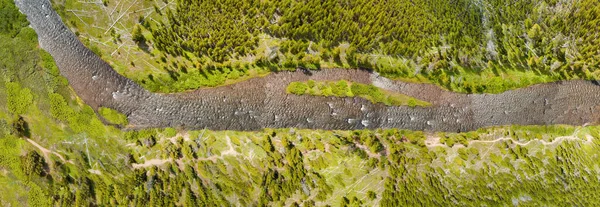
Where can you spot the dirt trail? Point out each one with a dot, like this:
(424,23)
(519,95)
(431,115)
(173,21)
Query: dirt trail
(544,142)
(231,151)
(157,162)
(367,150)
(152,162)
(434,141)
(47,152)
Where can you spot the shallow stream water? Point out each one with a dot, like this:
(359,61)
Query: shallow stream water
(262,102)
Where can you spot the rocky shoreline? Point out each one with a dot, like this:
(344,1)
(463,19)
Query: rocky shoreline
(262,102)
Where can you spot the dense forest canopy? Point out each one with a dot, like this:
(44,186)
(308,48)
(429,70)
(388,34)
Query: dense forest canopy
(12,19)
(406,28)
(468,46)
(544,35)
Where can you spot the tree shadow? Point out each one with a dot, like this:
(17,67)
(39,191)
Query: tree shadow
(21,128)
(144,46)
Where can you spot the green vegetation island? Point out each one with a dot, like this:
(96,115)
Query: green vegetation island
(58,150)
(343,88)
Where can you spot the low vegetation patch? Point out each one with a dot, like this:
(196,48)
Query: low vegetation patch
(113,116)
(345,88)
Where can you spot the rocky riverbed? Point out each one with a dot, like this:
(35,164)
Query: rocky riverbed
(262,102)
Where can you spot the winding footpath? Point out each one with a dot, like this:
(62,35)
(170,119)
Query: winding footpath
(262,102)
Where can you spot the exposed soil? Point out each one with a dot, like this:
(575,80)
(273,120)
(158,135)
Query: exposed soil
(47,152)
(262,102)
(152,162)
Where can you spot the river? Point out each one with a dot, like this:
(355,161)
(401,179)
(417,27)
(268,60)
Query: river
(263,103)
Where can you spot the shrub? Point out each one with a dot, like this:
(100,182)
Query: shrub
(297,88)
(19,99)
(149,134)
(340,88)
(412,102)
(59,108)
(137,35)
(311,83)
(359,89)
(375,93)
(33,164)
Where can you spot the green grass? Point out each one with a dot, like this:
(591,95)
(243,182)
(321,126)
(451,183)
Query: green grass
(113,116)
(345,88)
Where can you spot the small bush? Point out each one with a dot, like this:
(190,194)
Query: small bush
(137,35)
(297,88)
(340,88)
(412,102)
